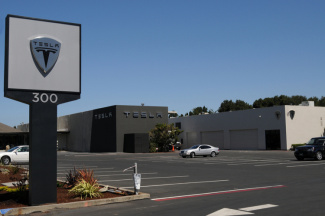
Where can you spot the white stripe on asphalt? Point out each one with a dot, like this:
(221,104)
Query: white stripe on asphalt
(67,168)
(242,162)
(77,167)
(270,164)
(109,171)
(218,192)
(126,174)
(162,185)
(254,208)
(146,178)
(89,155)
(252,163)
(307,165)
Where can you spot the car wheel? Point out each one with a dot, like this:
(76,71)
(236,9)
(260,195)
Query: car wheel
(192,154)
(319,155)
(213,154)
(5,160)
(300,158)
(184,156)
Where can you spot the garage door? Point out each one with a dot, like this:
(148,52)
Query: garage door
(214,138)
(192,139)
(243,139)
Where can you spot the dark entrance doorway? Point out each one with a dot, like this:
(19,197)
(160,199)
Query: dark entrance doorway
(272,140)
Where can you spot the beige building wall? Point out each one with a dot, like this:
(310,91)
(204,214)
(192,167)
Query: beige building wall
(307,122)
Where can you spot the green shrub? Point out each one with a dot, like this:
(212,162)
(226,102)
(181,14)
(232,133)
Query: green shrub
(20,181)
(72,177)
(14,169)
(3,188)
(88,176)
(59,184)
(293,146)
(85,189)
(12,190)
(4,171)
(152,147)
(9,189)
(21,184)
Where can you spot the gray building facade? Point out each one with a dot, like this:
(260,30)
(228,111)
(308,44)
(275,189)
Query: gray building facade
(271,128)
(104,129)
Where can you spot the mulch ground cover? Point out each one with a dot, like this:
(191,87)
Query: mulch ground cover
(20,199)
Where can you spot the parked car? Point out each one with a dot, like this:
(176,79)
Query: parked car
(315,148)
(200,150)
(178,145)
(18,154)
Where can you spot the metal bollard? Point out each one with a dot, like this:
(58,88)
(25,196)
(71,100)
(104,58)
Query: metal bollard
(136,178)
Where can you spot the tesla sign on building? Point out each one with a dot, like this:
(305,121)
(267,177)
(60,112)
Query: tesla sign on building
(42,69)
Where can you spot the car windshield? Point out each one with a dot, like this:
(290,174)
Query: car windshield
(194,147)
(315,141)
(12,149)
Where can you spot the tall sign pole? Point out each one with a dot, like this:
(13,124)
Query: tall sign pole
(42,69)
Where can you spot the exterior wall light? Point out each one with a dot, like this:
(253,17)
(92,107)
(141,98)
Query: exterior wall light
(292,114)
(277,114)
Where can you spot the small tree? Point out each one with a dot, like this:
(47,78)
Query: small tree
(199,110)
(163,135)
(229,105)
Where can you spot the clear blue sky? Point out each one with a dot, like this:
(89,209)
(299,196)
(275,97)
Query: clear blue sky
(184,53)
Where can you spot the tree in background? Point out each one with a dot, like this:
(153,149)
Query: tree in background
(282,100)
(229,105)
(321,102)
(163,135)
(173,115)
(315,99)
(199,111)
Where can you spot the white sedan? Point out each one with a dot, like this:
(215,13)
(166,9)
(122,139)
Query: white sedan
(200,150)
(18,154)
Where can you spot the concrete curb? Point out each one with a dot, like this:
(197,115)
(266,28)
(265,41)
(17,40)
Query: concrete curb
(72,205)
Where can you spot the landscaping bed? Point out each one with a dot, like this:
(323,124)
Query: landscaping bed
(11,198)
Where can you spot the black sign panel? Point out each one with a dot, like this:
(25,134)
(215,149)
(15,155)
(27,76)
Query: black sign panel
(103,132)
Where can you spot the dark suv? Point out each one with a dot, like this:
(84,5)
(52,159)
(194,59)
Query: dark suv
(315,148)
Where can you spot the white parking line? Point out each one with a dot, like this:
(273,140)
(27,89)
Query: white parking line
(239,162)
(77,167)
(183,183)
(217,193)
(89,155)
(146,178)
(109,171)
(67,168)
(274,164)
(126,174)
(315,164)
(254,208)
(252,163)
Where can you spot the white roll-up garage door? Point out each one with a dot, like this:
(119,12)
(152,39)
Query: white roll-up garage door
(244,139)
(214,138)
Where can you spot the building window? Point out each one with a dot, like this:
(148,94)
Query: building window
(178,124)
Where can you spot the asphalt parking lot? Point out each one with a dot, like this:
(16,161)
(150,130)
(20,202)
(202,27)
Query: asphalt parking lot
(233,183)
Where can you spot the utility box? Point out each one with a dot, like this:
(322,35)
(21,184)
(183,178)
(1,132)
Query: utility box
(136,143)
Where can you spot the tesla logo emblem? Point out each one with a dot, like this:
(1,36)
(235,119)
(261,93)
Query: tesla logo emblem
(45,52)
